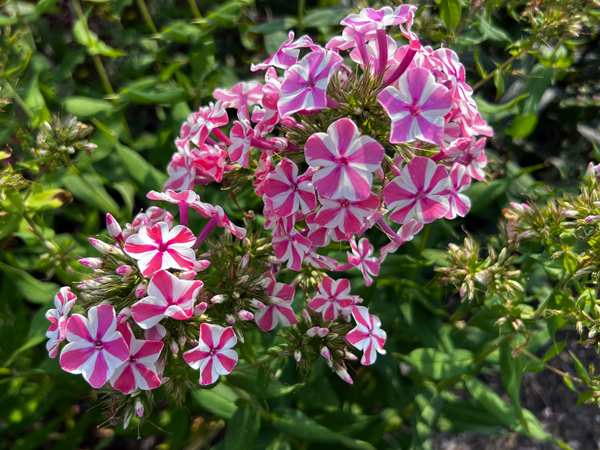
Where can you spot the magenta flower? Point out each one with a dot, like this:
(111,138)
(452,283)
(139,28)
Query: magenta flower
(63,301)
(346,160)
(460,181)
(198,125)
(288,191)
(348,216)
(241,95)
(469,153)
(367,335)
(168,296)
(417,108)
(320,261)
(214,355)
(157,248)
(406,233)
(287,55)
(418,191)
(370,19)
(265,167)
(332,297)
(241,138)
(182,172)
(279,309)
(305,85)
(362,260)
(139,371)
(209,163)
(95,347)
(289,245)
(185,199)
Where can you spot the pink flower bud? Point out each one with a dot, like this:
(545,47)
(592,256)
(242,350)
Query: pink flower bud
(200,309)
(306,317)
(123,315)
(113,227)
(201,265)
(92,263)
(218,298)
(230,319)
(592,219)
(124,271)
(258,304)
(139,409)
(243,279)
(323,332)
(174,347)
(297,355)
(325,353)
(187,275)
(343,374)
(312,332)
(141,289)
(182,340)
(245,315)
(102,247)
(244,262)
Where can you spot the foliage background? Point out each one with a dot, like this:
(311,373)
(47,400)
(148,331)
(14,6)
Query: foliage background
(135,70)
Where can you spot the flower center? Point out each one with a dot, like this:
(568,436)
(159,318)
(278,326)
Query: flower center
(345,203)
(294,187)
(212,351)
(99,345)
(163,247)
(420,195)
(332,299)
(131,359)
(415,110)
(343,161)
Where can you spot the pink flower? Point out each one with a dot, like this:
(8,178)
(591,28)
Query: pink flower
(241,95)
(418,191)
(199,124)
(305,85)
(469,153)
(279,309)
(181,172)
(157,248)
(95,347)
(373,55)
(370,19)
(287,55)
(417,108)
(460,181)
(214,355)
(332,297)
(347,161)
(320,261)
(367,335)
(262,171)
(63,301)
(360,258)
(168,296)
(209,162)
(406,233)
(139,371)
(289,245)
(241,138)
(148,218)
(348,216)
(224,222)
(184,198)
(288,191)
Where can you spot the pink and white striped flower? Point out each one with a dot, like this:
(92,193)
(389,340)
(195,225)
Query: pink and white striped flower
(168,296)
(241,139)
(280,307)
(367,335)
(305,85)
(348,216)
(417,107)
(265,167)
(241,95)
(183,199)
(460,181)
(287,55)
(362,260)
(470,153)
(139,371)
(406,233)
(332,297)
(289,245)
(288,191)
(209,164)
(198,125)
(320,261)
(182,172)
(346,160)
(214,355)
(158,248)
(224,222)
(418,191)
(148,218)
(56,333)
(95,347)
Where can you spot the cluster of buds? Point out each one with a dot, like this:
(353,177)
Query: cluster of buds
(397,133)
(60,138)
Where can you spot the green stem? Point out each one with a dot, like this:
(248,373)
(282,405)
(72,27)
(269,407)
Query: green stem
(20,101)
(256,364)
(36,230)
(552,368)
(194,8)
(147,16)
(301,6)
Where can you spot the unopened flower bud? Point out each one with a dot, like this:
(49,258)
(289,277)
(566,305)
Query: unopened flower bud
(264,282)
(325,353)
(182,340)
(92,263)
(102,247)
(113,227)
(200,308)
(297,355)
(246,242)
(235,295)
(124,271)
(245,315)
(343,374)
(244,262)
(127,418)
(230,319)
(257,304)
(312,332)
(243,279)
(592,219)
(220,298)
(332,336)
(306,317)
(174,347)
(350,356)
(187,275)
(139,408)
(323,332)
(141,289)
(570,213)
(201,265)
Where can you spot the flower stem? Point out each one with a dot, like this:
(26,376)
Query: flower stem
(388,230)
(383,50)
(212,223)
(221,136)
(147,16)
(408,57)
(183,214)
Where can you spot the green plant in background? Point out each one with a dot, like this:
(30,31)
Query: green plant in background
(135,70)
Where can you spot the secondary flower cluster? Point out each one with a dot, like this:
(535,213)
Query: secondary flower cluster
(331,150)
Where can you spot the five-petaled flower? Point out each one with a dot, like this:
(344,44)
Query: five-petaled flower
(241,95)
(158,248)
(199,124)
(241,138)
(168,296)
(349,216)
(63,301)
(417,107)
(95,347)
(139,371)
(460,180)
(418,191)
(362,260)
(214,355)
(279,309)
(287,55)
(333,296)
(288,191)
(367,335)
(346,160)
(289,245)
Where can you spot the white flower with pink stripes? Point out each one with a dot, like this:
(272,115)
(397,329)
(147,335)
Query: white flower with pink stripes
(241,138)
(279,309)
(459,204)
(346,159)
(332,297)
(349,216)
(198,125)
(288,191)
(214,355)
(168,296)
(287,55)
(417,107)
(241,95)
(367,335)
(63,301)
(95,347)
(139,371)
(289,245)
(419,191)
(362,260)
(158,248)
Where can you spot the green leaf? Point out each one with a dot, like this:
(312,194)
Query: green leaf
(11,212)
(493,113)
(160,94)
(249,381)
(37,333)
(84,107)
(511,373)
(584,397)
(440,365)
(450,13)
(88,188)
(323,17)
(554,350)
(480,70)
(50,199)
(537,82)
(523,125)
(141,170)
(219,401)
(84,36)
(298,424)
(499,83)
(275,25)
(243,427)
(425,411)
(580,369)
(34,290)
(35,102)
(570,262)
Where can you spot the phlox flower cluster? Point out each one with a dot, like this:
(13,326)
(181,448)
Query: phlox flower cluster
(335,152)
